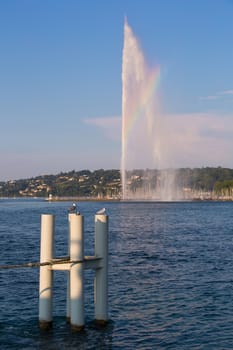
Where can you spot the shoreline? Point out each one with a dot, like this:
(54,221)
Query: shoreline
(94,199)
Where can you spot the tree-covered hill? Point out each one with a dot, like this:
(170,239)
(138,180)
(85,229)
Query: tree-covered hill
(84,183)
(107,183)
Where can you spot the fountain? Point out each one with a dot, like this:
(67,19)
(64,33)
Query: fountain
(142,156)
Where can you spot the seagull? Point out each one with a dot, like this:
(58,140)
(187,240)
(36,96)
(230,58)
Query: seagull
(101,211)
(73,208)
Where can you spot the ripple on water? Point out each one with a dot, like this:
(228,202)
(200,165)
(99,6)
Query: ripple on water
(170,280)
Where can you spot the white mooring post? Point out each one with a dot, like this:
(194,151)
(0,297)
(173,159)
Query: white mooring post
(101,277)
(46,273)
(74,266)
(68,278)
(76,272)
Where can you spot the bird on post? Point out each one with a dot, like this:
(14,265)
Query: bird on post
(73,209)
(101,211)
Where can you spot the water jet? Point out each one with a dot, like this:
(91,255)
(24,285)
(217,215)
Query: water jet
(142,128)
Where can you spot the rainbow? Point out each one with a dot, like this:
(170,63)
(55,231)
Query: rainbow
(139,102)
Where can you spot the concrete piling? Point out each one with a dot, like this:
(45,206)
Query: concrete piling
(101,275)
(46,274)
(74,265)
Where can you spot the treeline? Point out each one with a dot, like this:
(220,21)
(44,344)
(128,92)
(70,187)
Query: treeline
(84,183)
(224,188)
(206,179)
(107,183)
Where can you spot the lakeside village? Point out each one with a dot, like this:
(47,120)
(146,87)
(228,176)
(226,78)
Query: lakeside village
(192,184)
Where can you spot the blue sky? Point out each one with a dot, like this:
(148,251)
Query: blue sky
(60,82)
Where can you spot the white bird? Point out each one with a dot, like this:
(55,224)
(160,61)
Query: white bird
(73,208)
(101,211)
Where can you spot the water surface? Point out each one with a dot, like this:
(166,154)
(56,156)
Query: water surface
(170,276)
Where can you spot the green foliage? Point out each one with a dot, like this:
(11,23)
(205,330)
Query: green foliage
(224,187)
(101,183)
(203,178)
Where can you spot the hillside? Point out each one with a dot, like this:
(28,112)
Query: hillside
(214,182)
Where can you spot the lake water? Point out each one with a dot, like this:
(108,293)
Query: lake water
(170,276)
